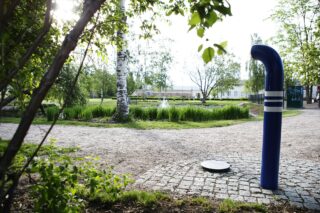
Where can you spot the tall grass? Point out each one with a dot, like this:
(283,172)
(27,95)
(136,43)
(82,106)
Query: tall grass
(173,114)
(52,113)
(189,113)
(81,112)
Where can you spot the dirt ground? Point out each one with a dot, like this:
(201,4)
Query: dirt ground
(136,151)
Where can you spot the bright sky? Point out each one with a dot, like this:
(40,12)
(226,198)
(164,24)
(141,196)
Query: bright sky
(249,16)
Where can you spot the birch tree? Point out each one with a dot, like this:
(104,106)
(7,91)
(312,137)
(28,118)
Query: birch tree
(122,111)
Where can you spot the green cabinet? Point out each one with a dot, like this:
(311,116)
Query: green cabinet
(295,97)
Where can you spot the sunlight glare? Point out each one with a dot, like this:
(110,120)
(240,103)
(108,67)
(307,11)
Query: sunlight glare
(65,10)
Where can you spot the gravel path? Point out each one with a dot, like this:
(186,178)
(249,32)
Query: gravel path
(136,151)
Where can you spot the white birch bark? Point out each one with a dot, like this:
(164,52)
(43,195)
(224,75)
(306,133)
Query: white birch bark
(122,66)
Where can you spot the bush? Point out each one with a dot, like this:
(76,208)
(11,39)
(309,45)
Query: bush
(152,113)
(163,114)
(174,114)
(62,183)
(86,114)
(74,112)
(136,112)
(52,113)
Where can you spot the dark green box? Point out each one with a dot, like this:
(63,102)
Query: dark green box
(295,97)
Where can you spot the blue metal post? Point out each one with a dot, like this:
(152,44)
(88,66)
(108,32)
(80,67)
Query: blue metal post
(273,102)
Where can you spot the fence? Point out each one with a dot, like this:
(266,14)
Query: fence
(257,98)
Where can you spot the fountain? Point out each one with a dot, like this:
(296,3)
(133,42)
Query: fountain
(164,103)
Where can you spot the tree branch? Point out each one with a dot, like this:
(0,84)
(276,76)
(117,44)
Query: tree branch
(5,17)
(47,81)
(32,49)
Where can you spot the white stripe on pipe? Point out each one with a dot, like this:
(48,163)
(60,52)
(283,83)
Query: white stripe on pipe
(273,93)
(272,109)
(267,100)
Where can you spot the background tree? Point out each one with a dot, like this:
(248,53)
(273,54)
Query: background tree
(298,43)
(255,69)
(63,90)
(222,74)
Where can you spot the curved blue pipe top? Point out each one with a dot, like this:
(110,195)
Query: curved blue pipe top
(273,101)
(273,64)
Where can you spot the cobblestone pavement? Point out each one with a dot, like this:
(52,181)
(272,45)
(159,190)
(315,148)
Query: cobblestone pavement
(299,181)
(152,154)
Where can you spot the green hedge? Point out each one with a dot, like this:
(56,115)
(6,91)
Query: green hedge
(81,112)
(173,114)
(189,113)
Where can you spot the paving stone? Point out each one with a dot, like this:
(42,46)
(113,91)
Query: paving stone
(264,200)
(313,206)
(255,190)
(241,183)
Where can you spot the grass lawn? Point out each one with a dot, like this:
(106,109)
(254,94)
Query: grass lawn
(140,124)
(145,124)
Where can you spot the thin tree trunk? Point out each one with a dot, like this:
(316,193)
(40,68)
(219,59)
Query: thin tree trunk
(47,81)
(309,94)
(122,112)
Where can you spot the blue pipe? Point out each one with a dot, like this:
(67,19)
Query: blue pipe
(273,102)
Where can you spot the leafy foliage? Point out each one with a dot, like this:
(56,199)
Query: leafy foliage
(64,91)
(63,185)
(299,46)
(256,70)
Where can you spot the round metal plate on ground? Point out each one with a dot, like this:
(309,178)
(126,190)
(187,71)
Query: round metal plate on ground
(213,165)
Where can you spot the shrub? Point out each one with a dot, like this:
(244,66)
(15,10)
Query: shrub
(152,113)
(62,183)
(174,114)
(137,112)
(86,114)
(163,114)
(52,113)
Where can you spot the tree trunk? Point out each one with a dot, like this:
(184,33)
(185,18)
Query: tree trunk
(309,94)
(47,81)
(204,98)
(122,112)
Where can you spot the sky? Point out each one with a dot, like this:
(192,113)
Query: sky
(249,16)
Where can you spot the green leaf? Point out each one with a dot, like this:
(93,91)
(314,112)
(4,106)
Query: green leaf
(200,47)
(195,19)
(221,47)
(181,11)
(208,54)
(191,27)
(169,13)
(200,32)
(212,18)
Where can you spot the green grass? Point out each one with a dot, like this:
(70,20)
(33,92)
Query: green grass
(139,124)
(150,201)
(27,150)
(230,206)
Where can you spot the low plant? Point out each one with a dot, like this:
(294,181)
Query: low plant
(174,114)
(86,114)
(163,114)
(52,113)
(72,112)
(230,206)
(137,112)
(64,185)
